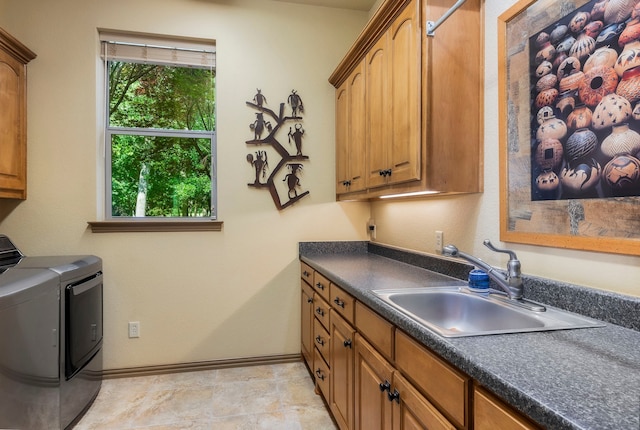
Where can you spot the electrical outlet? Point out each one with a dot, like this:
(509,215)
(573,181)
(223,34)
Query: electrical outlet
(439,241)
(371,227)
(134,329)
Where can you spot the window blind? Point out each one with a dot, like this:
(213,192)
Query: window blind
(142,48)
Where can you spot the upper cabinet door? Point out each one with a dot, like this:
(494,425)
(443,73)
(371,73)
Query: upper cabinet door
(357,129)
(12,150)
(393,91)
(13,111)
(377,112)
(351,133)
(404,95)
(342,139)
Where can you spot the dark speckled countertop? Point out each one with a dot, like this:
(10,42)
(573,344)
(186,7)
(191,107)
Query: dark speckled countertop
(566,379)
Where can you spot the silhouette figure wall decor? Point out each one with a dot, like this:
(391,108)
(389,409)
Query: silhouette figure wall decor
(284,179)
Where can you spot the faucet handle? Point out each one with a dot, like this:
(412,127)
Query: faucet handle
(488,244)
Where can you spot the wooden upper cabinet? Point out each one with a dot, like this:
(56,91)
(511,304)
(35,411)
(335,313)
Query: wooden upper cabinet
(342,139)
(14,57)
(454,58)
(393,101)
(377,112)
(423,101)
(404,95)
(351,133)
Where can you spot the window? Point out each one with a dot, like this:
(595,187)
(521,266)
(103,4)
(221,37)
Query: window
(160,127)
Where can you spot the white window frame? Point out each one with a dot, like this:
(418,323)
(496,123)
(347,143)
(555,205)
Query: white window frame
(162,50)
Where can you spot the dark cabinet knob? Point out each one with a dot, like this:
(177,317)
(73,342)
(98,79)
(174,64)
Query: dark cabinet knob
(385,386)
(319,311)
(309,300)
(394,396)
(319,341)
(347,343)
(319,374)
(339,302)
(319,285)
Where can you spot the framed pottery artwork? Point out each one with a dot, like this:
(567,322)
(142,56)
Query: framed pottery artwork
(569,108)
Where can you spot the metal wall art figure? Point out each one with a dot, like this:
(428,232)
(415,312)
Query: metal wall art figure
(265,118)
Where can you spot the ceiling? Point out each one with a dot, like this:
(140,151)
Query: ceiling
(364,5)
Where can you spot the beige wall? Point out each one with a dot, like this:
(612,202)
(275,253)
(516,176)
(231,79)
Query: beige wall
(468,220)
(198,296)
(206,296)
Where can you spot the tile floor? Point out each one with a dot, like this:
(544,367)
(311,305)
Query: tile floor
(278,396)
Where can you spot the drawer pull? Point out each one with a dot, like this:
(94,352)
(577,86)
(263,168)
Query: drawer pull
(319,311)
(306,274)
(309,300)
(347,343)
(394,396)
(385,386)
(319,285)
(319,340)
(339,302)
(319,374)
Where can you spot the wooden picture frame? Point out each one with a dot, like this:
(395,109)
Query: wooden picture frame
(610,224)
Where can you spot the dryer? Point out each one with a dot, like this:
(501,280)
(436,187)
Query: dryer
(50,338)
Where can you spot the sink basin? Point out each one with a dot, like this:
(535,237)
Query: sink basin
(457,312)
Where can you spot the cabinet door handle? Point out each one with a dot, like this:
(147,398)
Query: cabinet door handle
(319,285)
(309,300)
(347,343)
(319,311)
(319,340)
(339,302)
(385,386)
(394,396)
(319,374)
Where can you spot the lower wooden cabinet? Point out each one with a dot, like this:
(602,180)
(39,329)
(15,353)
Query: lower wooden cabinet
(306,329)
(322,373)
(376,377)
(445,386)
(372,380)
(341,364)
(411,410)
(385,400)
(491,413)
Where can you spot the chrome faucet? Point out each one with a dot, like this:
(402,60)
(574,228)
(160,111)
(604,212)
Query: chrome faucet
(511,283)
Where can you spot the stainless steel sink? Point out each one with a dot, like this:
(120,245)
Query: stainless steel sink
(457,312)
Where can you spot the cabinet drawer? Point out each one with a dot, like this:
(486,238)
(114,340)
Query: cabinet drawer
(306,273)
(342,302)
(376,329)
(321,285)
(491,413)
(445,386)
(415,408)
(321,372)
(321,339)
(321,310)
